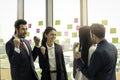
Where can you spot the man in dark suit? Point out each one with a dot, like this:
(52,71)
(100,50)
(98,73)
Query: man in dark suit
(19,53)
(103,61)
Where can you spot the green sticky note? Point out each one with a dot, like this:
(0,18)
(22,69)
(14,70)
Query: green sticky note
(40,23)
(104,22)
(58,34)
(57,41)
(112,30)
(114,40)
(69,26)
(57,22)
(28,34)
(74,34)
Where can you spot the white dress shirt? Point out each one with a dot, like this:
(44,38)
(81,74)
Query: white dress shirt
(51,55)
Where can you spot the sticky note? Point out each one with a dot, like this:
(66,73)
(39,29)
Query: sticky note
(112,30)
(114,40)
(28,34)
(58,34)
(66,33)
(29,25)
(74,34)
(104,22)
(77,27)
(75,20)
(40,23)
(69,26)
(37,30)
(57,22)
(67,40)
(57,41)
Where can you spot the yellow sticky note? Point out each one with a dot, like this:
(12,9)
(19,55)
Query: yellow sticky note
(69,26)
(28,34)
(74,34)
(57,41)
(57,22)
(112,30)
(40,23)
(104,22)
(58,34)
(67,40)
(114,40)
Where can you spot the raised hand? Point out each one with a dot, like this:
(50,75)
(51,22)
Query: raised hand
(16,42)
(42,48)
(36,40)
(77,55)
(75,45)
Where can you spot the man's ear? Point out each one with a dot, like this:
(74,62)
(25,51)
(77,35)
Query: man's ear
(95,37)
(16,30)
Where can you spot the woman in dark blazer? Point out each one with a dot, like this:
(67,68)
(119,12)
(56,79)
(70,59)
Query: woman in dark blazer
(51,61)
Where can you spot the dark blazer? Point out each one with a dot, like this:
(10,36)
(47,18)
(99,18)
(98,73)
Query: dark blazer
(75,66)
(102,64)
(21,64)
(44,63)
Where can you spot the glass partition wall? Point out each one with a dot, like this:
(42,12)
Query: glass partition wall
(35,14)
(66,20)
(107,12)
(8,15)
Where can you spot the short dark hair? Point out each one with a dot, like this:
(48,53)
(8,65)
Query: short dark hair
(98,30)
(19,22)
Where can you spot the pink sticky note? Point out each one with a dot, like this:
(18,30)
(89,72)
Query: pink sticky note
(77,27)
(75,20)
(65,33)
(29,25)
(37,30)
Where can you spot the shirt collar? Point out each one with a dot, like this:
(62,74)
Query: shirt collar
(51,46)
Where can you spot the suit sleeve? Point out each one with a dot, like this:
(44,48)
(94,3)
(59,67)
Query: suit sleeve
(95,64)
(35,52)
(13,56)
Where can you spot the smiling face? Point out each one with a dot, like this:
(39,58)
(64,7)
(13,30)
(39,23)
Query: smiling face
(51,36)
(22,31)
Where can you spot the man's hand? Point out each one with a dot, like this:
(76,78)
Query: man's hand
(36,40)
(16,42)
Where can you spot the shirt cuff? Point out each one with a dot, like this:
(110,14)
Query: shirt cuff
(17,50)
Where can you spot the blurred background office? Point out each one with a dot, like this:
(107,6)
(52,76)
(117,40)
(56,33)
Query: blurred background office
(66,16)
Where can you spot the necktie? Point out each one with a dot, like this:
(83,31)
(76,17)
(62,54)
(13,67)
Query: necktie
(24,45)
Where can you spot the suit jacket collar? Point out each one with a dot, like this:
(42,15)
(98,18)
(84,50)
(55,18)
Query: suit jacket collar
(102,41)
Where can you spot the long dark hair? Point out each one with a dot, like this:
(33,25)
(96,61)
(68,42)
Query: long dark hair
(47,30)
(85,42)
